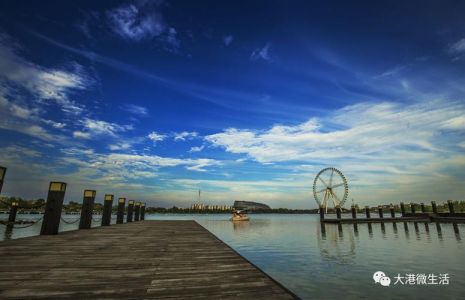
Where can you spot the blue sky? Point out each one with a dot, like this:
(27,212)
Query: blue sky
(154,100)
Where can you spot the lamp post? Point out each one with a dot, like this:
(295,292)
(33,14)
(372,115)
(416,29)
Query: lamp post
(53,207)
(120,213)
(2,176)
(130,211)
(107,205)
(87,209)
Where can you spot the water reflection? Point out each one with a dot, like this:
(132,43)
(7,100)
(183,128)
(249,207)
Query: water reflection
(340,231)
(8,232)
(332,245)
(438,229)
(456,231)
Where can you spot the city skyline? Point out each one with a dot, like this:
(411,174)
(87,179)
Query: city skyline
(156,100)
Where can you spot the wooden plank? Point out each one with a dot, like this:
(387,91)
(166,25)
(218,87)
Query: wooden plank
(139,260)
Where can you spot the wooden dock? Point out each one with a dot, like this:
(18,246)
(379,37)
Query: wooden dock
(140,260)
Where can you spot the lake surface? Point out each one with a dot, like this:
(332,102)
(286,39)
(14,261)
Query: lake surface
(332,261)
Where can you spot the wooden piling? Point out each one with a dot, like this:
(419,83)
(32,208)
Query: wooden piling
(13,211)
(412,207)
(435,208)
(87,209)
(120,213)
(53,208)
(338,212)
(402,209)
(367,211)
(380,212)
(393,213)
(130,211)
(450,204)
(2,177)
(137,211)
(107,206)
(354,212)
(142,211)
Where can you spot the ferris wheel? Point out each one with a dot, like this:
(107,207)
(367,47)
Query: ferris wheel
(330,185)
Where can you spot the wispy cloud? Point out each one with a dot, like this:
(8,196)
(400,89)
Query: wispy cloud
(196,149)
(263,53)
(156,137)
(136,109)
(182,136)
(365,130)
(227,40)
(457,49)
(43,83)
(143,20)
(94,128)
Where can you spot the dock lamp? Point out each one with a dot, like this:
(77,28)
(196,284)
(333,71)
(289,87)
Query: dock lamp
(120,212)
(2,176)
(142,211)
(87,209)
(107,206)
(53,207)
(130,211)
(137,211)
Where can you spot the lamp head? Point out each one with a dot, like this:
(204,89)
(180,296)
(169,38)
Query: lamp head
(57,186)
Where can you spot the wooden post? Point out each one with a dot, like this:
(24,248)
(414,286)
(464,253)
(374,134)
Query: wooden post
(338,212)
(142,211)
(107,206)
(130,211)
(367,211)
(2,177)
(402,209)
(120,213)
(451,206)
(354,212)
(435,208)
(322,213)
(87,209)
(412,207)
(393,213)
(137,212)
(422,207)
(13,211)
(380,212)
(53,207)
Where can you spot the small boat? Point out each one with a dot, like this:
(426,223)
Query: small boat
(240,215)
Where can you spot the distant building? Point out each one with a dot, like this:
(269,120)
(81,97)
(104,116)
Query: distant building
(248,205)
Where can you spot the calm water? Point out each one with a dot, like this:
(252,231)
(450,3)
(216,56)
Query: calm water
(334,261)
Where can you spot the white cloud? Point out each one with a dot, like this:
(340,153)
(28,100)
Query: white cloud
(121,146)
(136,109)
(262,53)
(98,127)
(142,20)
(117,168)
(227,40)
(363,130)
(43,83)
(156,137)
(454,123)
(182,136)
(81,134)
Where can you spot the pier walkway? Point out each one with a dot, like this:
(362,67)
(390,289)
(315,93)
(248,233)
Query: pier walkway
(140,260)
